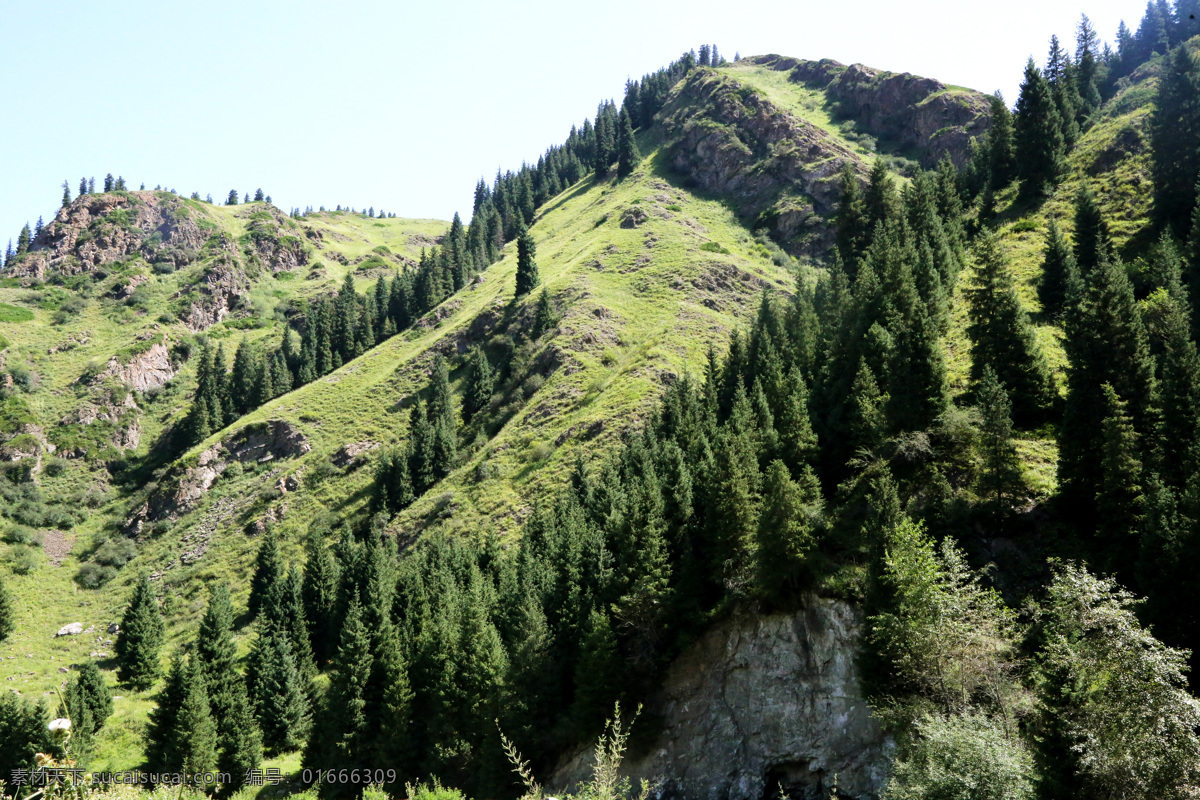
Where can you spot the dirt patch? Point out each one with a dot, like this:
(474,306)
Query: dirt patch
(57,546)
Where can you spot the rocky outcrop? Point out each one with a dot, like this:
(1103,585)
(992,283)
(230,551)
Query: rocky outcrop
(179,492)
(219,291)
(781,171)
(148,370)
(98,229)
(274,239)
(907,111)
(762,701)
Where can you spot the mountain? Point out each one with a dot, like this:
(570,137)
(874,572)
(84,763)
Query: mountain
(741,421)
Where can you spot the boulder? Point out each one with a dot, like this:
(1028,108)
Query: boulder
(74,629)
(114,627)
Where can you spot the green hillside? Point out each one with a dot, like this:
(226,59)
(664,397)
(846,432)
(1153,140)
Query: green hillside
(751,374)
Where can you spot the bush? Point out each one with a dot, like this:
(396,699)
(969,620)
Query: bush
(23,559)
(115,553)
(93,576)
(68,309)
(55,467)
(713,247)
(21,534)
(431,791)
(954,757)
(24,379)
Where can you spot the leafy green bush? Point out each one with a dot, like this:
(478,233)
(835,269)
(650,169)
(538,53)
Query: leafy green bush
(713,247)
(968,757)
(55,467)
(93,576)
(21,534)
(430,791)
(116,553)
(23,559)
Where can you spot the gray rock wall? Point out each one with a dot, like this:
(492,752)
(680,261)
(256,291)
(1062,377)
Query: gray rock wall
(760,701)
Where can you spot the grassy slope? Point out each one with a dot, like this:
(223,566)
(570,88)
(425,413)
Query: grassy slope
(47,598)
(636,304)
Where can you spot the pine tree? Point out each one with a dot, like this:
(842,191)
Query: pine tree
(216,653)
(340,737)
(917,376)
(1000,472)
(1059,272)
(1120,503)
(1175,140)
(604,149)
(543,317)
(109,183)
(141,637)
(232,200)
(1002,338)
(23,239)
(735,498)
(195,734)
(1092,241)
(1179,427)
(162,748)
(1037,135)
(627,149)
(527,271)
(480,383)
(268,573)
(852,224)
(1001,157)
(599,674)
(320,592)
(1106,343)
(8,622)
(239,738)
(66,198)
(89,690)
(785,534)
(277,690)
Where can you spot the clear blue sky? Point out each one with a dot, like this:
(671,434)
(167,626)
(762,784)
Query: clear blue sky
(403,106)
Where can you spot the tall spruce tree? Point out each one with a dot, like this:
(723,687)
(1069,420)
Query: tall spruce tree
(141,637)
(1092,240)
(8,622)
(1000,473)
(1120,501)
(480,383)
(268,574)
(1037,135)
(627,149)
(1000,147)
(527,271)
(785,534)
(1059,272)
(1175,140)
(1003,339)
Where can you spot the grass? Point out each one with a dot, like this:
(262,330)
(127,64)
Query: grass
(13,314)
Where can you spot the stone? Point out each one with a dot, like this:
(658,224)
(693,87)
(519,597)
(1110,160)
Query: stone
(114,627)
(74,629)
(759,701)
(63,670)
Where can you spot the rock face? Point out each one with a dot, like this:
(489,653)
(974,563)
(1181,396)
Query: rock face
(149,370)
(781,170)
(97,229)
(222,286)
(906,110)
(762,701)
(259,442)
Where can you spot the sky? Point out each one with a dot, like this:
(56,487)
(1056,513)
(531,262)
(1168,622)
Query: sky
(403,106)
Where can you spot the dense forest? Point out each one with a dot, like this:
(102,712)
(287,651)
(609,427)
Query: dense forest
(821,452)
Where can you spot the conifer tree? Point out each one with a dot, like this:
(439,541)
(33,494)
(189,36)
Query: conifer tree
(785,534)
(1059,272)
(232,200)
(599,675)
(66,198)
(605,147)
(239,739)
(797,441)
(1000,472)
(268,573)
(340,736)
(527,271)
(1106,343)
(480,383)
(1120,503)
(195,734)
(141,636)
(1037,135)
(1001,157)
(320,592)
(23,239)
(543,316)
(1179,427)
(852,223)
(89,689)
(917,376)
(162,749)
(627,149)
(8,622)
(1003,339)
(867,422)
(1092,241)
(1175,140)
(736,494)
(277,690)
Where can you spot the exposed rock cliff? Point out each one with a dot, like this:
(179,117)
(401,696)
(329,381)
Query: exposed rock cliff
(762,701)
(917,114)
(781,171)
(98,229)
(179,491)
(147,370)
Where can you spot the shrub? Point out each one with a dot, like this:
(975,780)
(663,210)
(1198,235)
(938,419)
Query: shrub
(93,576)
(713,247)
(24,560)
(21,534)
(55,467)
(115,553)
